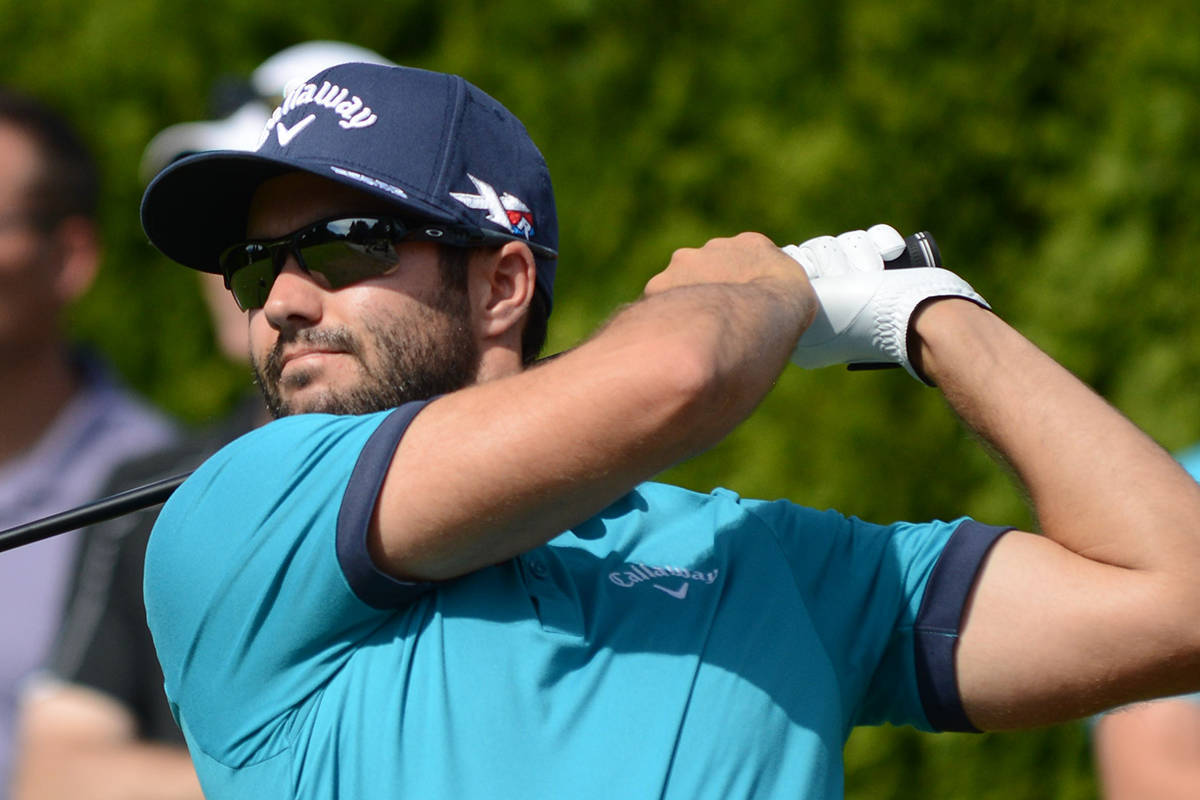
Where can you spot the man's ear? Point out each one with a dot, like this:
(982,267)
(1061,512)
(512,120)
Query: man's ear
(77,244)
(502,297)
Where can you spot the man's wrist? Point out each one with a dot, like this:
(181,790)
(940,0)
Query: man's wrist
(935,323)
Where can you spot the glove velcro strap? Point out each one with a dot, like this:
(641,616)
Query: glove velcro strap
(864,317)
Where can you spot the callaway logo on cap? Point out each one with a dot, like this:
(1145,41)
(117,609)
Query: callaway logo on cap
(433,145)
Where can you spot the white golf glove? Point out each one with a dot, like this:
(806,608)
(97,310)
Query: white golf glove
(865,309)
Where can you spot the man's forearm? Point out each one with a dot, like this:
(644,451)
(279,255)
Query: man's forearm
(1098,484)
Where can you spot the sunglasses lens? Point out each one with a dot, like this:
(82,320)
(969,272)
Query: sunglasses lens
(249,273)
(251,284)
(342,263)
(336,253)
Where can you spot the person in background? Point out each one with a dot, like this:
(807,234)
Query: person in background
(65,420)
(1151,751)
(95,722)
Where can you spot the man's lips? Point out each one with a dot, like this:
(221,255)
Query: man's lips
(307,352)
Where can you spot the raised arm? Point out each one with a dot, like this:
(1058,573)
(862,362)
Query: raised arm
(1101,609)
(493,470)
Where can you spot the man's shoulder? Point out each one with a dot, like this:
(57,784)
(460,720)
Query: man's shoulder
(658,506)
(284,458)
(724,502)
(307,432)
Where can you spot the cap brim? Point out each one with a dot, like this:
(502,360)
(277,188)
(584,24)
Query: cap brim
(197,207)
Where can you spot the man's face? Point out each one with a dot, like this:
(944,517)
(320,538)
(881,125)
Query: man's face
(366,347)
(29,299)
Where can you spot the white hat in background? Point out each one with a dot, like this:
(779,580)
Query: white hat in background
(240,130)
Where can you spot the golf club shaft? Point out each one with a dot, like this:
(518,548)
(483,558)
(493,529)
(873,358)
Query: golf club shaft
(104,509)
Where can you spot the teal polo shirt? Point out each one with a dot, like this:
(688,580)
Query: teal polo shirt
(1190,459)
(676,645)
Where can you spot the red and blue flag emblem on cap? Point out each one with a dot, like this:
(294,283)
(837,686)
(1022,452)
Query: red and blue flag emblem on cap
(521,221)
(505,210)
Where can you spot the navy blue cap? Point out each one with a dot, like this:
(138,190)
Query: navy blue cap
(433,145)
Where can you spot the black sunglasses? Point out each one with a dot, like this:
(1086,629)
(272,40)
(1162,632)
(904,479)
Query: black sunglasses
(341,251)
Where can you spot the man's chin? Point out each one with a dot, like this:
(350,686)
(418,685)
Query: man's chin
(314,391)
(311,400)
(324,399)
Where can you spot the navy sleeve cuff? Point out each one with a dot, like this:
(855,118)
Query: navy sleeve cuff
(375,588)
(937,626)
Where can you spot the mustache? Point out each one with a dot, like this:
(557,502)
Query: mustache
(339,339)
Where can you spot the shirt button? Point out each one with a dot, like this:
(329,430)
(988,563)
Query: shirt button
(538,569)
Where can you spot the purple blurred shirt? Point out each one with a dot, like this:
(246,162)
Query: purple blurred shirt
(101,427)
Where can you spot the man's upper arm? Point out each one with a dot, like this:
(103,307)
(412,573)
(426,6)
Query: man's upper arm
(1049,635)
(501,467)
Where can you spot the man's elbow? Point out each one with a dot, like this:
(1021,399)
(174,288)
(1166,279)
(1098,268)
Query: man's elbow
(699,394)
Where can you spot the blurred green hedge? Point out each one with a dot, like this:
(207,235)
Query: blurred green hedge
(1048,146)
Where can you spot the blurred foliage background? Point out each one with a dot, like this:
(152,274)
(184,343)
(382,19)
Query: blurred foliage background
(1049,147)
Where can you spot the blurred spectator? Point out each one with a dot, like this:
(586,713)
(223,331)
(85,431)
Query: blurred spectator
(65,421)
(1151,751)
(96,724)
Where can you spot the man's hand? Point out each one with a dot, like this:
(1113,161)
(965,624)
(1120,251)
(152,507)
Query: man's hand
(848,253)
(865,309)
(748,258)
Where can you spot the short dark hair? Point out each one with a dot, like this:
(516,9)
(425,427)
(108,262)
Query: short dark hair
(452,263)
(68,181)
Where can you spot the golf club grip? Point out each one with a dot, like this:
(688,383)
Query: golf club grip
(921,251)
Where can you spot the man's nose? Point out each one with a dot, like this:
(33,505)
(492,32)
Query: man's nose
(295,297)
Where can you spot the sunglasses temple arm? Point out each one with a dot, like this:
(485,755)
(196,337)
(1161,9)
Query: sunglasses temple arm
(107,508)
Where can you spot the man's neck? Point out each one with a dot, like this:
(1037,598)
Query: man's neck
(497,363)
(37,387)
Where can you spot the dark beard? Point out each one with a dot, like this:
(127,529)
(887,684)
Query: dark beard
(433,353)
